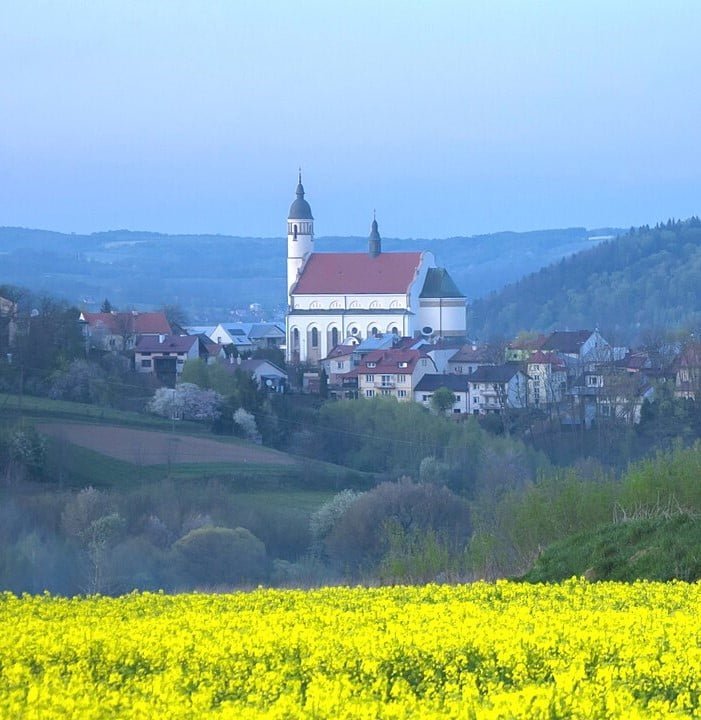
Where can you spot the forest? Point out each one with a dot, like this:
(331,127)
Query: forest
(639,283)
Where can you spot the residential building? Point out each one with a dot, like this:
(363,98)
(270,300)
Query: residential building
(547,378)
(165,355)
(457,384)
(120,331)
(495,389)
(267,374)
(392,373)
(8,325)
(470,357)
(687,372)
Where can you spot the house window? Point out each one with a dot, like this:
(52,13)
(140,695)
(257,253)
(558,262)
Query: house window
(386,392)
(339,366)
(386,380)
(404,364)
(592,380)
(456,398)
(334,337)
(401,378)
(456,411)
(369,378)
(146,363)
(369,393)
(425,398)
(401,393)
(315,338)
(372,364)
(474,399)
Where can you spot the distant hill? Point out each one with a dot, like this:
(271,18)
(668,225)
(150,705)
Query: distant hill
(207,275)
(645,279)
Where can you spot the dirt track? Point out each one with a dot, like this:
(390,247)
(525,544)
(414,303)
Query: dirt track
(146,447)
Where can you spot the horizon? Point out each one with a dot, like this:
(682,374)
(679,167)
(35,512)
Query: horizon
(451,120)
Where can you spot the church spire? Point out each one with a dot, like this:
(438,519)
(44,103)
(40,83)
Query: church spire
(374,241)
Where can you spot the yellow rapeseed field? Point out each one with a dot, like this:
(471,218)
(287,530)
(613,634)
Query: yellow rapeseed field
(504,650)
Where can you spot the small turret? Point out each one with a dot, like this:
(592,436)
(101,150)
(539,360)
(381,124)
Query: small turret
(374,241)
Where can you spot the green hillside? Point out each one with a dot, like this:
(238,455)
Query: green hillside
(647,278)
(662,548)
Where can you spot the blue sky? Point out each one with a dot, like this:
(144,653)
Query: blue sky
(450,118)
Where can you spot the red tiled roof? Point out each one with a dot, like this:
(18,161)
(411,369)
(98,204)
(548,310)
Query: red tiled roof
(358,273)
(545,358)
(388,361)
(146,323)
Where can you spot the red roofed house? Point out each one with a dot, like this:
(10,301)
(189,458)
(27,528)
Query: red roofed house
(394,372)
(342,298)
(121,330)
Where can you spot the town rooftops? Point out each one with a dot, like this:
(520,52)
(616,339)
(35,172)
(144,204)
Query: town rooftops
(136,323)
(358,273)
(432,382)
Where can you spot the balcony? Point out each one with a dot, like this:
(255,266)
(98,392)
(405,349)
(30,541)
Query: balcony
(386,385)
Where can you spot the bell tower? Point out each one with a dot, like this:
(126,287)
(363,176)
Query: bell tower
(300,236)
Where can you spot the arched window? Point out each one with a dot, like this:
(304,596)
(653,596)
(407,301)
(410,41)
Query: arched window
(373,331)
(334,337)
(394,330)
(295,339)
(315,338)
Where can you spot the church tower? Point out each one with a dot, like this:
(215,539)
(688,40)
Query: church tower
(300,236)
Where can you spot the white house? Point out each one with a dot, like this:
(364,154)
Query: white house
(496,388)
(547,378)
(340,298)
(457,384)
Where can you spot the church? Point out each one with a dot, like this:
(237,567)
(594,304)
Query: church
(345,297)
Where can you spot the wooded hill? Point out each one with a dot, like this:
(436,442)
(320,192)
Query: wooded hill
(207,275)
(644,280)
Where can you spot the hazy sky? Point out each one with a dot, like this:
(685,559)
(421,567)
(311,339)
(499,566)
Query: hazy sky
(451,118)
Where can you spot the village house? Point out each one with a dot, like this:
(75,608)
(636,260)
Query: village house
(391,373)
(166,355)
(457,384)
(547,379)
(494,389)
(8,325)
(247,337)
(120,331)
(687,372)
(267,374)
(468,358)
